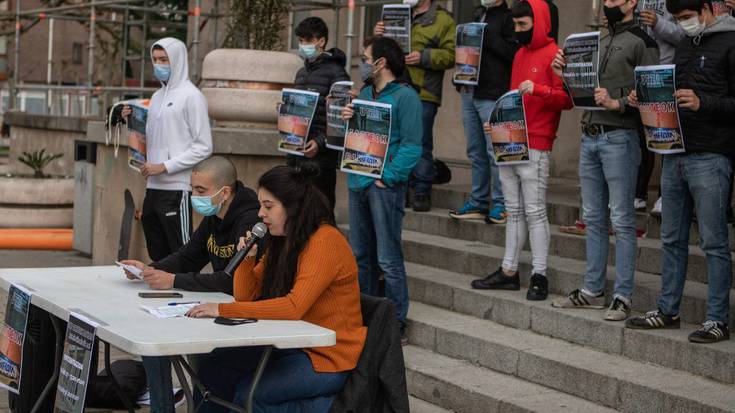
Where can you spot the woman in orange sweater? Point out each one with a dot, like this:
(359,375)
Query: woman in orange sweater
(307,273)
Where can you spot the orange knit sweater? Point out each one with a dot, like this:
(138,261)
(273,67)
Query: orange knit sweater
(325,292)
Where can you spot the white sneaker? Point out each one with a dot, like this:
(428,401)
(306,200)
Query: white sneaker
(657,208)
(639,204)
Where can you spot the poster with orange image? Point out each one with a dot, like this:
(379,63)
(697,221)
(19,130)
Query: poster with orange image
(295,113)
(367,139)
(136,133)
(507,130)
(655,87)
(468,53)
(12,335)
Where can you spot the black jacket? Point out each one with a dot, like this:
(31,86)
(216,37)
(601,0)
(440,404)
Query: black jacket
(499,47)
(378,383)
(214,241)
(318,75)
(706,65)
(554,33)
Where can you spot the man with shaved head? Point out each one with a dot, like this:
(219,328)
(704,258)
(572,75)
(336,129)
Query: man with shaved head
(230,209)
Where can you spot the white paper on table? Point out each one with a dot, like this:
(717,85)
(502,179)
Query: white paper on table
(169,311)
(131,269)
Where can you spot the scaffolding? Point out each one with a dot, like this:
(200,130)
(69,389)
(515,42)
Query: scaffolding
(90,10)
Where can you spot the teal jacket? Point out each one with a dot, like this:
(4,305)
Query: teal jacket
(404,149)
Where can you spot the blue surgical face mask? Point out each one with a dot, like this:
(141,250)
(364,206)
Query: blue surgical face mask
(366,71)
(307,51)
(162,72)
(203,204)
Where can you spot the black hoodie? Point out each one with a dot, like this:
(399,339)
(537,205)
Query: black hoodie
(318,75)
(214,241)
(499,47)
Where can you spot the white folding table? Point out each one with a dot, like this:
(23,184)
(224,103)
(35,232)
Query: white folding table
(106,296)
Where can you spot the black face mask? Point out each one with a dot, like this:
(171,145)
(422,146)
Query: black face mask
(613,15)
(524,37)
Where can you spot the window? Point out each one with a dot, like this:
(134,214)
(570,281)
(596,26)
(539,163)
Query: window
(76,53)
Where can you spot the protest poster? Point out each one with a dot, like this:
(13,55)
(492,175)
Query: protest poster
(508,133)
(75,364)
(652,5)
(339,97)
(12,337)
(397,21)
(295,114)
(655,87)
(468,53)
(580,75)
(720,8)
(367,139)
(136,133)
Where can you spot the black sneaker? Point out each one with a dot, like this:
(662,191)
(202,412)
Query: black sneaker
(421,203)
(498,281)
(653,320)
(710,332)
(538,289)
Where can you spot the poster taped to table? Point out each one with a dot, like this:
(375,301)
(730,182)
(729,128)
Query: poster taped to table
(367,139)
(339,96)
(580,75)
(12,336)
(468,56)
(719,8)
(295,114)
(136,133)
(508,132)
(75,364)
(655,87)
(397,22)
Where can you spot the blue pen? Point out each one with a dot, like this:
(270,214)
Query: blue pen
(188,302)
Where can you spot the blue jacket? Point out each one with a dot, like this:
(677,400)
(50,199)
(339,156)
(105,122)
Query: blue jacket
(406,130)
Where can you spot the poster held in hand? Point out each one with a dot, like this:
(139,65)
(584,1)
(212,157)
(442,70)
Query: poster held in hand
(136,133)
(75,364)
(468,56)
(339,96)
(580,75)
(12,337)
(397,21)
(295,113)
(508,133)
(367,139)
(655,87)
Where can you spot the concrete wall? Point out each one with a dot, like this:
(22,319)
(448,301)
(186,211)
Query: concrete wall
(252,151)
(30,133)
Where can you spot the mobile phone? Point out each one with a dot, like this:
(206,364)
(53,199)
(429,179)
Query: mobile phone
(234,321)
(160,295)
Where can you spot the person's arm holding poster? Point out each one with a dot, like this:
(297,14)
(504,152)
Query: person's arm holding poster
(554,97)
(408,110)
(503,46)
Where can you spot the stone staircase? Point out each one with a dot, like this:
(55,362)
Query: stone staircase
(485,351)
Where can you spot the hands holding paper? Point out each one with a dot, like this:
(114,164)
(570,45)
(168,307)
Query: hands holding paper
(685,98)
(156,279)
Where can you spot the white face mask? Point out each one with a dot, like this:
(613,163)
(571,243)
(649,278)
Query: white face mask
(411,3)
(488,3)
(692,26)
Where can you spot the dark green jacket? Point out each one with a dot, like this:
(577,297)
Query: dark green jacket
(432,34)
(624,48)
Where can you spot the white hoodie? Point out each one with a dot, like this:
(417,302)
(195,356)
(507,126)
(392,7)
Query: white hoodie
(177,130)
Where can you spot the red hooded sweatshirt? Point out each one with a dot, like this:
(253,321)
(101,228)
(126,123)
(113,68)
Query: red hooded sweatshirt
(533,62)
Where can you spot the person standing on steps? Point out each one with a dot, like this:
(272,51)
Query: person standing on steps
(432,52)
(699,179)
(524,185)
(608,162)
(498,49)
(178,136)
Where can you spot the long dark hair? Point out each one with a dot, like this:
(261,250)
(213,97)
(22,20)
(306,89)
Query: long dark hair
(306,209)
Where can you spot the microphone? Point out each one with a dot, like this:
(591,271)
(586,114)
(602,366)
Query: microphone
(259,230)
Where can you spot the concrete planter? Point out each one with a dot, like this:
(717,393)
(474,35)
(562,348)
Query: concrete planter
(36,203)
(245,85)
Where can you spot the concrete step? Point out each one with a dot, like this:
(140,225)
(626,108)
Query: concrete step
(563,203)
(609,380)
(467,388)
(667,348)
(438,222)
(565,274)
(420,406)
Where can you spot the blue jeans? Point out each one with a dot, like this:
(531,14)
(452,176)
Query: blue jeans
(376,216)
(158,373)
(424,170)
(608,168)
(701,182)
(475,112)
(289,383)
